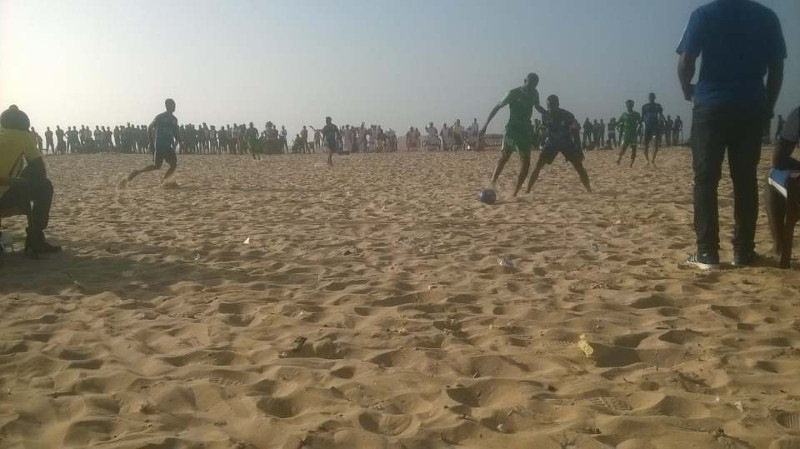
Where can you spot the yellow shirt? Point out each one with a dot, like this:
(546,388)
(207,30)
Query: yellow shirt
(14,146)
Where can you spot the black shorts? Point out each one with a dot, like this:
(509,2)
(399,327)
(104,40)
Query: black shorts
(168,155)
(568,149)
(650,132)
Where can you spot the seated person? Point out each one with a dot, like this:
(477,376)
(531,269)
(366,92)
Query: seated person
(782,161)
(19,188)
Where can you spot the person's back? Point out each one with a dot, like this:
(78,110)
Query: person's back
(16,147)
(737,39)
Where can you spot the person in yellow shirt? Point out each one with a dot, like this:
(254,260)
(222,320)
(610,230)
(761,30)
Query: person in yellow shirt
(23,179)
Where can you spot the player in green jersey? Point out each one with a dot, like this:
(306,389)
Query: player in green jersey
(519,130)
(628,124)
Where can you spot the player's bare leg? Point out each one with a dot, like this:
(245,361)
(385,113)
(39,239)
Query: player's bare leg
(169,173)
(523,172)
(540,163)
(582,174)
(506,155)
(622,153)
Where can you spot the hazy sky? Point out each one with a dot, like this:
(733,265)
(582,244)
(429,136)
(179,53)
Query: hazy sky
(397,63)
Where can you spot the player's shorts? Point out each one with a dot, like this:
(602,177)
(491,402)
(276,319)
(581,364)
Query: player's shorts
(651,131)
(629,140)
(331,145)
(551,149)
(165,154)
(517,142)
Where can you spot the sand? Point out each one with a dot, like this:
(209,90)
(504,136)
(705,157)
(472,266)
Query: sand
(280,304)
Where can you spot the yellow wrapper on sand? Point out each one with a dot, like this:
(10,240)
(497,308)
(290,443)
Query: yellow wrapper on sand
(585,346)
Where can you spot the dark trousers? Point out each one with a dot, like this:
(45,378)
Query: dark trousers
(738,130)
(27,191)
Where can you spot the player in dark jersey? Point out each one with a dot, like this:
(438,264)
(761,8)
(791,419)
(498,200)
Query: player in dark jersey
(562,137)
(162,135)
(330,138)
(652,116)
(519,130)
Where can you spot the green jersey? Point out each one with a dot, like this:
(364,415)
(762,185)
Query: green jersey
(520,104)
(629,122)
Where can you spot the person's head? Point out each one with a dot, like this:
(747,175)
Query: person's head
(669,117)
(651,97)
(474,120)
(601,120)
(677,117)
(170,104)
(552,103)
(328,120)
(595,121)
(458,121)
(13,118)
(532,80)
(251,124)
(629,104)
(304,126)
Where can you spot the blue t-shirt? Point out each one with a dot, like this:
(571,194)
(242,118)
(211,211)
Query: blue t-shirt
(651,112)
(737,40)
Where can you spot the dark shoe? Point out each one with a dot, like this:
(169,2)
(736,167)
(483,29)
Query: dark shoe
(704,261)
(744,258)
(45,247)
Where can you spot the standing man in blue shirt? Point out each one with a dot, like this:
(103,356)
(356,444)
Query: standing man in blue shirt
(740,42)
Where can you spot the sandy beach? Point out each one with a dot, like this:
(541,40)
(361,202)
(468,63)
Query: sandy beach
(282,304)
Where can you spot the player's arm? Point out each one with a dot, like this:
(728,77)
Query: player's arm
(176,132)
(574,129)
(150,134)
(494,111)
(537,104)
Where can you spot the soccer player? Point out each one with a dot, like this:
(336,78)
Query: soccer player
(677,128)
(519,130)
(628,125)
(162,134)
(652,115)
(562,137)
(330,138)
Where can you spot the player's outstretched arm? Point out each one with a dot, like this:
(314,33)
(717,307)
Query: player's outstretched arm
(493,112)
